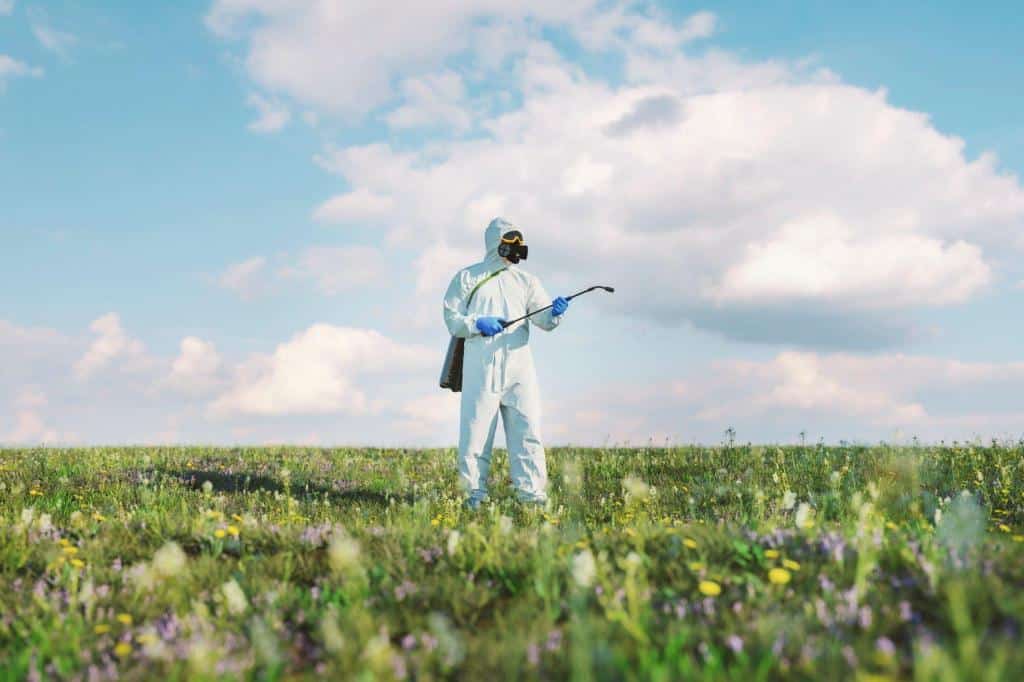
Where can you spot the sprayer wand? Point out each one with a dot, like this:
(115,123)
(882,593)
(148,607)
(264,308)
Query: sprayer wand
(508,323)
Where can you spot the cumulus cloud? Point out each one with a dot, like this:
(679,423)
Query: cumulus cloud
(338,269)
(831,395)
(244,278)
(111,344)
(432,100)
(197,368)
(273,115)
(319,371)
(805,195)
(346,57)
(29,427)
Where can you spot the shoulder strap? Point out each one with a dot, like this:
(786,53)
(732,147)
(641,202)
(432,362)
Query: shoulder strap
(481,283)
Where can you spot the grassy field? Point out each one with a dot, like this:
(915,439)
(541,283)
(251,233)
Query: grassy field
(739,563)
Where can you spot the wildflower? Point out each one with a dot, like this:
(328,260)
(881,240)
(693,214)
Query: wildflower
(584,568)
(709,588)
(788,500)
(101,629)
(219,533)
(207,487)
(1003,527)
(779,576)
(343,552)
(771,554)
(803,516)
(696,566)
(98,517)
(233,531)
(1018,538)
(77,519)
(791,565)
(169,560)
(35,492)
(71,551)
(77,563)
(636,489)
(505,524)
(735,643)
(123,649)
(234,597)
(690,542)
(453,542)
(124,618)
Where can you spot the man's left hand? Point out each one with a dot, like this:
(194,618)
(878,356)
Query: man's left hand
(559,306)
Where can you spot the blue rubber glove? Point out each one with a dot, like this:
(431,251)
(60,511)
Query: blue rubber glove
(559,306)
(489,326)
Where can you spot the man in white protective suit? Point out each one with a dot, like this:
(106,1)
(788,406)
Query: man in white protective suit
(498,372)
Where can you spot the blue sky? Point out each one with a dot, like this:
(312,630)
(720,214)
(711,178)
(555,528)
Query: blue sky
(223,222)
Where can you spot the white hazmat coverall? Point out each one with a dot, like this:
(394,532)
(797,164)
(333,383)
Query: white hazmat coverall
(498,373)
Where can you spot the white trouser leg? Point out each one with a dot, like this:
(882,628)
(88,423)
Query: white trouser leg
(520,413)
(479,419)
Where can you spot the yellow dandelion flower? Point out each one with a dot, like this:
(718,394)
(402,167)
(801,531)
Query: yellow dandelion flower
(771,554)
(890,525)
(101,629)
(236,517)
(71,550)
(64,542)
(233,530)
(1003,527)
(1018,538)
(77,563)
(35,493)
(147,638)
(435,522)
(123,649)
(709,588)
(791,565)
(696,566)
(124,618)
(98,517)
(690,542)
(779,576)
(219,533)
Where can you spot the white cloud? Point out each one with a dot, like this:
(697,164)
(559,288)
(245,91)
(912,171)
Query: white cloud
(111,343)
(273,115)
(29,427)
(433,100)
(6,7)
(358,206)
(339,269)
(345,57)
(197,369)
(817,197)
(834,395)
(58,42)
(245,278)
(12,68)
(30,398)
(320,371)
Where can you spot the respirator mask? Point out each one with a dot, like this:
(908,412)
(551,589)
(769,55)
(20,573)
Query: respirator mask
(513,247)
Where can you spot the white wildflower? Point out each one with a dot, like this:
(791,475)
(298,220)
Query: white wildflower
(343,552)
(169,560)
(453,542)
(584,568)
(788,500)
(234,597)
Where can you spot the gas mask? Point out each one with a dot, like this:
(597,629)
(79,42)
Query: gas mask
(513,246)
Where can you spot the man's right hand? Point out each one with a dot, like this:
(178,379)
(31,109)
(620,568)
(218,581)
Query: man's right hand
(489,326)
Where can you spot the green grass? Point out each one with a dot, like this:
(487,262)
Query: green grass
(653,563)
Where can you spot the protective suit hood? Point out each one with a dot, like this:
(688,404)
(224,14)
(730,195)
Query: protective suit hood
(492,236)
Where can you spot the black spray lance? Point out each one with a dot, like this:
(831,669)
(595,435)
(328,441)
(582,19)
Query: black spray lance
(508,323)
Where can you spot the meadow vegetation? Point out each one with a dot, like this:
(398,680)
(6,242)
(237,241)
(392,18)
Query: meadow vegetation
(729,562)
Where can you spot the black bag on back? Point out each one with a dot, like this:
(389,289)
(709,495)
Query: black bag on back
(451,371)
